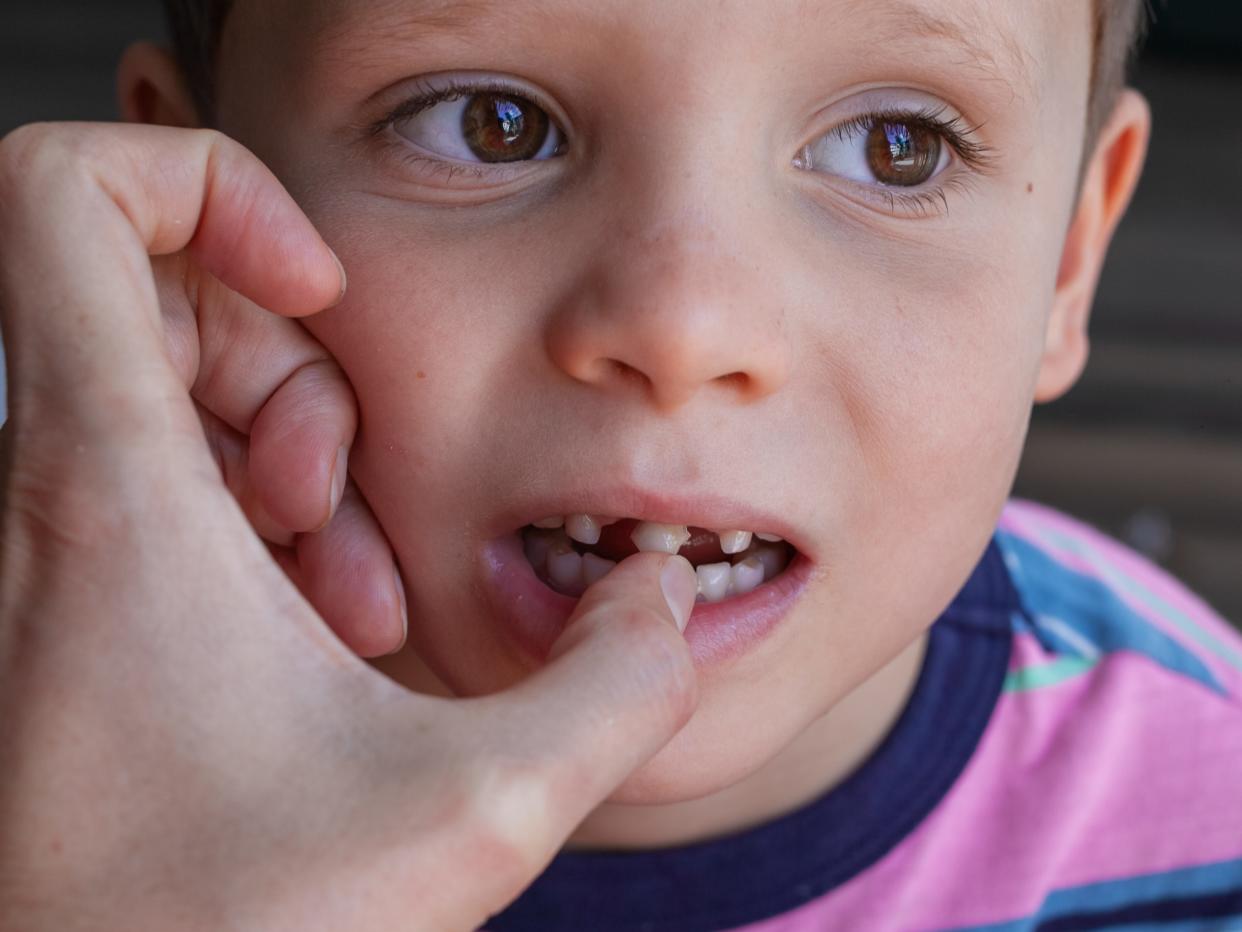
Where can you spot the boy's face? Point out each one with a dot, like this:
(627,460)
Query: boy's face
(689,300)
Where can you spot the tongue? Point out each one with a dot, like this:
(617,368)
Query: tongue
(615,544)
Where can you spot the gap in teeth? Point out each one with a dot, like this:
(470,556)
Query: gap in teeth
(549,546)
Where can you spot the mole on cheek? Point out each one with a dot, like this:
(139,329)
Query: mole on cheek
(1030,187)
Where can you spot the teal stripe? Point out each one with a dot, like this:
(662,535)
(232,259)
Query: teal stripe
(1202,880)
(1079,615)
(1121,581)
(1047,674)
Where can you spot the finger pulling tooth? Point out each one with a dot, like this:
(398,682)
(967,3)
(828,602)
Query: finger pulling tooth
(734,541)
(664,538)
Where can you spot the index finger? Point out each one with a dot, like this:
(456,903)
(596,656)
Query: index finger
(85,207)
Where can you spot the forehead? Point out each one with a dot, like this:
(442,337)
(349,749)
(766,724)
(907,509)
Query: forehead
(1017,45)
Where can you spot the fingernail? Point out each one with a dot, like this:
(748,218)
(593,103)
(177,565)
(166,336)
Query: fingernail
(339,474)
(405,609)
(344,278)
(680,586)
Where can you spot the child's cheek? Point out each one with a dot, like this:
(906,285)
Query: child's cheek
(934,357)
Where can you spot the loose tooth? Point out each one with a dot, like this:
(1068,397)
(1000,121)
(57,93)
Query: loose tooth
(583,528)
(770,538)
(550,523)
(565,569)
(665,538)
(746,576)
(714,581)
(595,568)
(734,541)
(773,559)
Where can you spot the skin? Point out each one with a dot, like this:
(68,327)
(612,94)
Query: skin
(883,362)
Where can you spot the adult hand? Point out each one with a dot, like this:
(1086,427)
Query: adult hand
(279,417)
(183,743)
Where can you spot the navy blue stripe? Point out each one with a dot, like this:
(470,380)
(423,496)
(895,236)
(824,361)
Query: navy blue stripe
(783,864)
(1211,906)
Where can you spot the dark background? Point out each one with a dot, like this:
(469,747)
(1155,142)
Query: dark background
(1148,446)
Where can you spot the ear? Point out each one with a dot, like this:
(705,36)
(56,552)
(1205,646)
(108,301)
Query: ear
(152,89)
(1107,186)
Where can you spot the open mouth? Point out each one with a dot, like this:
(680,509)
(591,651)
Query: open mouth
(571,552)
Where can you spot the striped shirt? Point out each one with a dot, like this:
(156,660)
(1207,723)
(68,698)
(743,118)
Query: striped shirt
(1070,759)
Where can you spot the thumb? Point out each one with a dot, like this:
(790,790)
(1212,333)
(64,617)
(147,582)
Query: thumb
(619,685)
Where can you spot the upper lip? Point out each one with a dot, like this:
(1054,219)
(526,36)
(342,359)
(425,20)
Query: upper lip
(702,509)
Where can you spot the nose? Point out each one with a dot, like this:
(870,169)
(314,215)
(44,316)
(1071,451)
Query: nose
(668,314)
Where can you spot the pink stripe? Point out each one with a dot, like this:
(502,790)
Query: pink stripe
(1130,770)
(1028,652)
(1030,520)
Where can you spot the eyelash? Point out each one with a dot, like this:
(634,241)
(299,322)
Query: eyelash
(955,131)
(961,137)
(424,98)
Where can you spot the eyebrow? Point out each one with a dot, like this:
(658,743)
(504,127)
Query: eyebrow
(903,22)
(910,21)
(414,18)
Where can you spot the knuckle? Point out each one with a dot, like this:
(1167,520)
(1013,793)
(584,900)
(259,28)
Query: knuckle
(33,149)
(505,810)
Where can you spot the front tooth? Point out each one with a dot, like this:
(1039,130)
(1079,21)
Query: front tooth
(666,538)
(595,568)
(770,538)
(734,541)
(714,581)
(584,528)
(745,576)
(565,569)
(549,524)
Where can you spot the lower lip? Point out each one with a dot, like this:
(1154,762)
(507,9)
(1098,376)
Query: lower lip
(535,615)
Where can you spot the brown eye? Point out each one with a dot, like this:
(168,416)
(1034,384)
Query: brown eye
(504,128)
(480,126)
(902,154)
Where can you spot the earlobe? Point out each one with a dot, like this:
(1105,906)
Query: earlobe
(151,88)
(1108,184)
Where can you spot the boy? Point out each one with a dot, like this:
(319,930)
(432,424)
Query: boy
(774,288)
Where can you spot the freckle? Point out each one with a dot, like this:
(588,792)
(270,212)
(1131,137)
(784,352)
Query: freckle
(422,375)
(1030,188)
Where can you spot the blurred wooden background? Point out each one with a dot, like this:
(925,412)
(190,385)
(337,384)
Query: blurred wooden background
(1148,446)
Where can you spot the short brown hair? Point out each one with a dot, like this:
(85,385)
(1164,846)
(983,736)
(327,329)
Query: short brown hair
(196,25)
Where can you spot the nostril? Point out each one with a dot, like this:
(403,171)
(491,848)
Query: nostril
(627,373)
(738,381)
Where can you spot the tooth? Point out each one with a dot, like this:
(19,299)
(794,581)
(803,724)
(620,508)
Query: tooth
(714,581)
(773,559)
(550,523)
(583,528)
(565,569)
(594,568)
(667,538)
(745,576)
(770,538)
(537,547)
(734,541)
